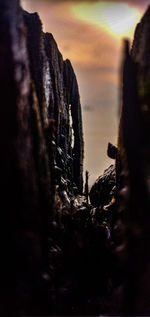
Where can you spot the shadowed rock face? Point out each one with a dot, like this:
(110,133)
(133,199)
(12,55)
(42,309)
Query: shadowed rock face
(37,58)
(102,191)
(66,105)
(73,99)
(134,170)
(51,237)
(130,217)
(33,94)
(25,173)
(58,96)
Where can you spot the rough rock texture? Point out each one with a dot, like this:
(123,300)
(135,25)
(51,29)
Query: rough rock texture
(73,99)
(37,59)
(25,173)
(102,191)
(31,142)
(65,108)
(60,255)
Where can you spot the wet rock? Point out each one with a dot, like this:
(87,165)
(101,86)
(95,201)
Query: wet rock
(101,192)
(63,106)
(73,99)
(75,191)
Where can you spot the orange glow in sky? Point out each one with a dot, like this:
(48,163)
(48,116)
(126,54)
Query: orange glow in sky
(118,19)
(89,33)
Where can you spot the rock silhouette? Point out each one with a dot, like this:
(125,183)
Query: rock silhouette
(61,254)
(37,145)
(133,170)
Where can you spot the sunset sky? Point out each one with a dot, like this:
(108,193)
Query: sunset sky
(90,33)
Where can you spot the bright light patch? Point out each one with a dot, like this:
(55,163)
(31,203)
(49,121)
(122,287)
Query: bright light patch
(119,19)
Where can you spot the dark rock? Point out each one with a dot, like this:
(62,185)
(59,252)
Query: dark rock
(75,191)
(37,59)
(37,154)
(112,151)
(73,99)
(63,249)
(100,193)
(132,172)
(65,102)
(25,175)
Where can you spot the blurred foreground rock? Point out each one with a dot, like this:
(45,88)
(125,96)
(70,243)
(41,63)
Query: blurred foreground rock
(39,95)
(132,173)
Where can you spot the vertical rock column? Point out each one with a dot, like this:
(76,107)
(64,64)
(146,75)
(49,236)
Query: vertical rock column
(134,153)
(65,96)
(73,99)
(25,203)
